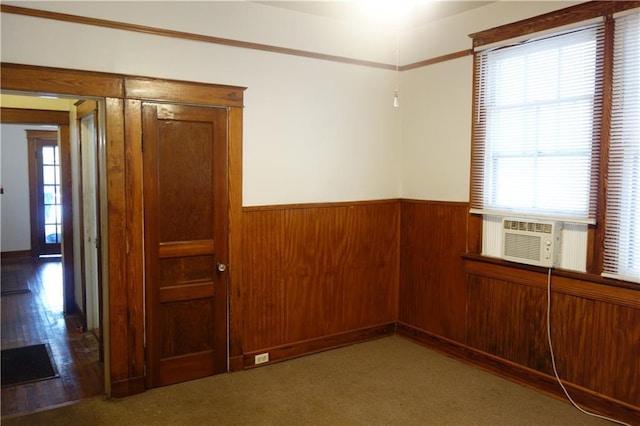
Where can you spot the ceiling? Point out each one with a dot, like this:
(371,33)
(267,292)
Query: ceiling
(420,12)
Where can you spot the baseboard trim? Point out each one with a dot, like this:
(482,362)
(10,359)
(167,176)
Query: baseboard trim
(236,363)
(307,347)
(127,387)
(587,399)
(15,254)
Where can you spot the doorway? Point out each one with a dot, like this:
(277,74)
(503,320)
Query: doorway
(45,192)
(53,310)
(122,245)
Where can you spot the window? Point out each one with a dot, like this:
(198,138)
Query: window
(557,135)
(622,229)
(539,108)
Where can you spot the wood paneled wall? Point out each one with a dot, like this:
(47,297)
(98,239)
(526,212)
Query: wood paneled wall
(432,284)
(595,329)
(318,276)
(493,314)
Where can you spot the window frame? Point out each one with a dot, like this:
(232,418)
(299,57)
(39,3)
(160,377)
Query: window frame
(556,20)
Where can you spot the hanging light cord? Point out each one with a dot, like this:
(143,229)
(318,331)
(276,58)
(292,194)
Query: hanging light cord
(395,96)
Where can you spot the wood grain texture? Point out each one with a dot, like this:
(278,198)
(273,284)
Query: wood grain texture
(595,341)
(235,270)
(557,18)
(319,271)
(122,210)
(124,324)
(134,245)
(432,281)
(176,91)
(31,116)
(46,80)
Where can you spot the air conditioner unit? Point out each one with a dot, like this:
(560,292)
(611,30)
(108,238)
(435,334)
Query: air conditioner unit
(531,241)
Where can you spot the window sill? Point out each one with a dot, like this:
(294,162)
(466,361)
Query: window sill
(581,276)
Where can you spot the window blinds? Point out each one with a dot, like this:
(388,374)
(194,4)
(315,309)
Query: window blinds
(537,127)
(622,228)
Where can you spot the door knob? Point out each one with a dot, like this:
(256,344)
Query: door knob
(222,267)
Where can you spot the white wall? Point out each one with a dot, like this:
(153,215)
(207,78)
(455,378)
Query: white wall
(437,131)
(14,207)
(314,131)
(437,99)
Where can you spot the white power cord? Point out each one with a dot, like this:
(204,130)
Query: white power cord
(553,360)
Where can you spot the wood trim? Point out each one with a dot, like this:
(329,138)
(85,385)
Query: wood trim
(134,233)
(618,291)
(124,317)
(523,375)
(235,273)
(435,202)
(58,81)
(294,350)
(224,41)
(329,204)
(121,248)
(85,107)
(34,116)
(127,387)
(33,199)
(596,241)
(15,254)
(567,16)
(4,8)
(151,89)
(437,60)
(67,217)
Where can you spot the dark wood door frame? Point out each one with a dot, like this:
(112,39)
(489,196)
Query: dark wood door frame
(60,119)
(122,248)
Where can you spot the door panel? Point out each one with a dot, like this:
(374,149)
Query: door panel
(186,236)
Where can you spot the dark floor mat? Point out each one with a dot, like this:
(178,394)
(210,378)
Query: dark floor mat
(13,282)
(27,364)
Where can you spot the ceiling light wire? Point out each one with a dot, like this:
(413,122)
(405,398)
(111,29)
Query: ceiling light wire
(396,102)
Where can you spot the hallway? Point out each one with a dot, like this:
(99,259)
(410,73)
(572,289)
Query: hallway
(36,316)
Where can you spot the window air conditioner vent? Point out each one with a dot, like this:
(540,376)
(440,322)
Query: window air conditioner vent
(531,242)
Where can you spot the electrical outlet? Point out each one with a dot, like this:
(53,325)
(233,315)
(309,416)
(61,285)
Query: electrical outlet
(262,358)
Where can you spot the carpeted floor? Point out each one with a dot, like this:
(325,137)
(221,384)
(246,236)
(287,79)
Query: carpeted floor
(389,381)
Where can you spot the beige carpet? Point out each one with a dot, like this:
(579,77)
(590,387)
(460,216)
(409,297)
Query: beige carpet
(389,381)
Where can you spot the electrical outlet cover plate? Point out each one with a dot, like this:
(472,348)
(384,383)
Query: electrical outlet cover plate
(261,358)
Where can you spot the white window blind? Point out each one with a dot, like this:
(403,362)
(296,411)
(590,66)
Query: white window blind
(537,130)
(622,228)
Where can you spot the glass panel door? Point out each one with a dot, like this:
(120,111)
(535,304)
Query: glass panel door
(51,195)
(45,192)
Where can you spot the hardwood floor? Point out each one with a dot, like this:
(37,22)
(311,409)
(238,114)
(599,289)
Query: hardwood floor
(37,317)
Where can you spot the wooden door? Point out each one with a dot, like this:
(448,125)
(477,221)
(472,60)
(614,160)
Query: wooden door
(186,241)
(45,192)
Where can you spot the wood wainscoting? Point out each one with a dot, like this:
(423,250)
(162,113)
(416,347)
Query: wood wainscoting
(432,282)
(317,276)
(492,313)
